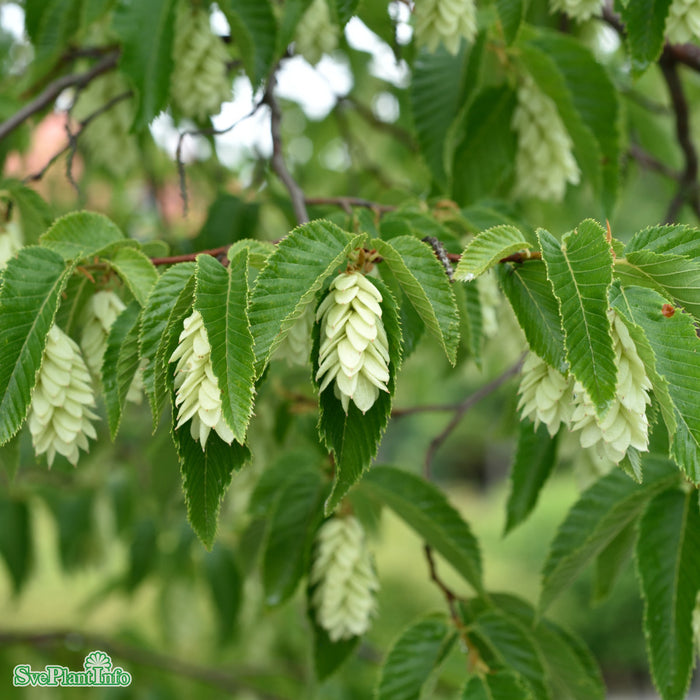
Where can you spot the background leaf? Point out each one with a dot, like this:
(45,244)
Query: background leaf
(225,582)
(645,22)
(500,685)
(487,248)
(81,235)
(136,270)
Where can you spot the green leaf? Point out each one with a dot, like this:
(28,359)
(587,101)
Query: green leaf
(498,685)
(142,552)
(253,24)
(76,294)
(675,239)
(511,643)
(485,146)
(673,276)
(603,511)
(645,22)
(225,583)
(471,319)
(10,454)
(434,95)
(169,300)
(412,659)
(611,561)
(487,248)
(136,270)
(345,9)
(423,280)
(292,12)
(587,102)
(292,524)
(206,476)
(668,559)
(81,235)
(146,30)
(580,270)
(50,24)
(36,215)
(676,348)
(535,457)
(511,13)
(425,509)
(221,296)
(294,273)
(120,363)
(329,656)
(16,539)
(537,309)
(29,296)
(354,438)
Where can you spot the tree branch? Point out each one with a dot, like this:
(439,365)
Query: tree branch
(649,162)
(459,410)
(347,202)
(296,194)
(227,682)
(54,89)
(191,257)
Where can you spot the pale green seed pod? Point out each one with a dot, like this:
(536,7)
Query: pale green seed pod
(354,348)
(59,415)
(316,34)
(200,83)
(107,138)
(296,346)
(580,10)
(344,579)
(544,162)
(197,390)
(101,311)
(446,22)
(11,240)
(625,424)
(545,394)
(683,21)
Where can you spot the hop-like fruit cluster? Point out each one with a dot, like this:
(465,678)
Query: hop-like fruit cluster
(545,394)
(198,395)
(200,81)
(10,241)
(544,162)
(354,347)
(60,415)
(580,10)
(316,34)
(344,577)
(625,424)
(296,346)
(445,21)
(101,312)
(489,300)
(109,142)
(683,21)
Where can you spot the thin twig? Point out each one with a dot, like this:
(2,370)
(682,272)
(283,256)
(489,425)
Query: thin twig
(144,657)
(296,194)
(191,257)
(688,183)
(649,162)
(347,202)
(54,89)
(450,596)
(459,410)
(73,140)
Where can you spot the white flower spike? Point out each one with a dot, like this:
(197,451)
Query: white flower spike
(354,347)
(445,21)
(580,10)
(342,571)
(544,163)
(197,391)
(683,21)
(60,412)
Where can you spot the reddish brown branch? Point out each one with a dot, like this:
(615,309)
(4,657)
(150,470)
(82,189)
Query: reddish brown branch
(191,257)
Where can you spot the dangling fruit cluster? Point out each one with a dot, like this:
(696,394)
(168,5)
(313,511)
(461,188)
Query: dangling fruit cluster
(445,21)
(296,346)
(60,415)
(544,162)
(107,138)
(101,312)
(545,394)
(10,241)
(344,579)
(625,424)
(200,81)
(683,21)
(316,34)
(197,390)
(580,10)
(354,348)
